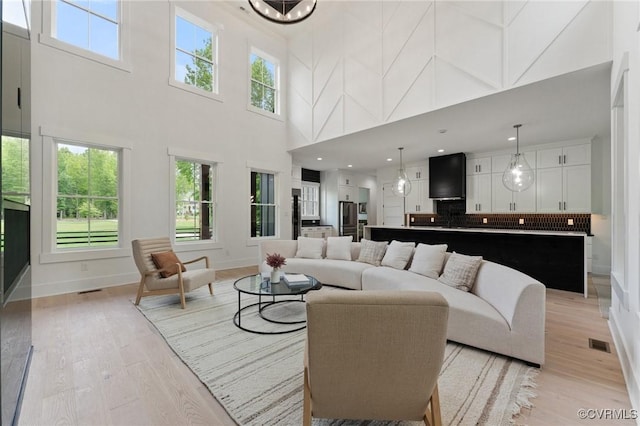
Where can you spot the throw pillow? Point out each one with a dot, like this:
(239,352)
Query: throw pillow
(428,260)
(167,260)
(372,252)
(460,271)
(339,248)
(398,254)
(310,248)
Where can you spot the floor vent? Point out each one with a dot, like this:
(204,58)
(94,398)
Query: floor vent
(599,345)
(90,291)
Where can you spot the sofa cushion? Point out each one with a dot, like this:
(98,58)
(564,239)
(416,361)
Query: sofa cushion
(460,271)
(339,248)
(342,273)
(398,254)
(428,260)
(310,248)
(372,252)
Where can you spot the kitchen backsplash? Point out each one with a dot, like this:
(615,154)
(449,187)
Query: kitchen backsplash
(452,214)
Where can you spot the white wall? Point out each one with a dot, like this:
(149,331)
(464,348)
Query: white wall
(363,64)
(89,101)
(625,307)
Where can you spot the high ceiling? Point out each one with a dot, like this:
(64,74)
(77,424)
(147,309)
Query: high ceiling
(571,106)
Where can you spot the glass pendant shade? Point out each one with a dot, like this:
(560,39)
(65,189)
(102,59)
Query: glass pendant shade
(518,176)
(401,184)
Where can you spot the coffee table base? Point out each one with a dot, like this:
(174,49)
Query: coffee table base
(261,307)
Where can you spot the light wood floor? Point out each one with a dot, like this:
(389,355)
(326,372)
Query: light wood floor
(98,361)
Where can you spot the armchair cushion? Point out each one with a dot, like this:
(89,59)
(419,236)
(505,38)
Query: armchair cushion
(167,261)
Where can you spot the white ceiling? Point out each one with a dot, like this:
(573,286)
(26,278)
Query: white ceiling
(571,106)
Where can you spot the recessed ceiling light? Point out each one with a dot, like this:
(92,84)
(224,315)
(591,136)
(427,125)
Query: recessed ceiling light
(349,165)
(441,150)
(512,138)
(319,158)
(389,159)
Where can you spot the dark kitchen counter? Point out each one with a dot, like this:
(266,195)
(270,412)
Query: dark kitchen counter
(555,258)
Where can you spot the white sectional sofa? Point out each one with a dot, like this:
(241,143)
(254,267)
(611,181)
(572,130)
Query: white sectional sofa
(504,312)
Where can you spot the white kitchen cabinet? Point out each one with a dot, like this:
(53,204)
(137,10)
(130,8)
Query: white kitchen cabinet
(418,200)
(506,201)
(499,162)
(479,193)
(317,231)
(296,176)
(346,179)
(564,189)
(347,193)
(477,166)
(416,172)
(565,156)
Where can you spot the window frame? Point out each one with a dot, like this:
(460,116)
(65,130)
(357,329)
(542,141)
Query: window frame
(276,189)
(50,252)
(123,62)
(316,187)
(215,35)
(253,50)
(202,158)
(26,195)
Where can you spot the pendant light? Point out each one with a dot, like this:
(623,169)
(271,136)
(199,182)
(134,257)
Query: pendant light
(401,184)
(284,11)
(518,175)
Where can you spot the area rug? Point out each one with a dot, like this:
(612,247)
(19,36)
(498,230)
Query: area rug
(258,378)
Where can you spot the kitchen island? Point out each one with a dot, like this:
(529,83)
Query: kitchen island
(555,258)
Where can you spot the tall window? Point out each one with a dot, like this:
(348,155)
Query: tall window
(195,207)
(87,197)
(93,25)
(310,200)
(195,52)
(263,204)
(15,169)
(264,82)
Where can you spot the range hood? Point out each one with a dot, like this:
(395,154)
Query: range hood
(447,177)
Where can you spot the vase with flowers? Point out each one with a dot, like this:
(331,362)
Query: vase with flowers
(276,262)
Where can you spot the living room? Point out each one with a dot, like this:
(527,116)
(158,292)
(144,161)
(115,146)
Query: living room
(377,78)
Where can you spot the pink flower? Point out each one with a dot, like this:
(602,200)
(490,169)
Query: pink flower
(275,260)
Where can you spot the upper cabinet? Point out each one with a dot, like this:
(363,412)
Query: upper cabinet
(504,200)
(296,176)
(479,193)
(478,166)
(573,155)
(417,172)
(346,179)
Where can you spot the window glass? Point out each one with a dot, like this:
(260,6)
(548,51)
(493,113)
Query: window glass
(15,169)
(87,200)
(91,25)
(195,54)
(263,204)
(264,83)
(195,207)
(310,200)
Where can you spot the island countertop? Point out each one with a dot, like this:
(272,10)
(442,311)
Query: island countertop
(558,259)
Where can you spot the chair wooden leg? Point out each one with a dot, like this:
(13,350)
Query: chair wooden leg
(210,289)
(306,412)
(183,302)
(435,408)
(140,291)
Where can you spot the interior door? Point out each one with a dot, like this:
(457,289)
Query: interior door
(392,207)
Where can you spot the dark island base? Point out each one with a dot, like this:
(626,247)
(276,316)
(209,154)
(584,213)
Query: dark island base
(557,261)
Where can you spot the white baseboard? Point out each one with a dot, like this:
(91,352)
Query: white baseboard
(631,377)
(85,284)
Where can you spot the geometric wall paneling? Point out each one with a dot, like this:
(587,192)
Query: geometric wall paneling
(470,43)
(420,96)
(407,63)
(300,47)
(454,85)
(363,41)
(333,125)
(300,113)
(511,9)
(327,51)
(357,116)
(489,11)
(583,42)
(399,28)
(362,84)
(300,78)
(531,32)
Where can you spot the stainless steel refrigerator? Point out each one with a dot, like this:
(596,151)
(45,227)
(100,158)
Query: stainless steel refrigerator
(348,219)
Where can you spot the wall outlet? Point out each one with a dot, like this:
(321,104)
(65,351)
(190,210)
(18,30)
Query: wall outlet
(521,221)
(570,222)
(413,219)
(484,220)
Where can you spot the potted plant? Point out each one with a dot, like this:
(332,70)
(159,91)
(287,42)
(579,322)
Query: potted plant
(276,262)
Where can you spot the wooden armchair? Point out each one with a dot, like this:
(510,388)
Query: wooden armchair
(150,276)
(374,355)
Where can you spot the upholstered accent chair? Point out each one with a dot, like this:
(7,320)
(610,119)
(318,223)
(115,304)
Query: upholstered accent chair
(180,282)
(374,355)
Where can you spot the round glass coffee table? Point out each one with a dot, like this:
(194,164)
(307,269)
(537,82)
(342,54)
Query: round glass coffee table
(267,292)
